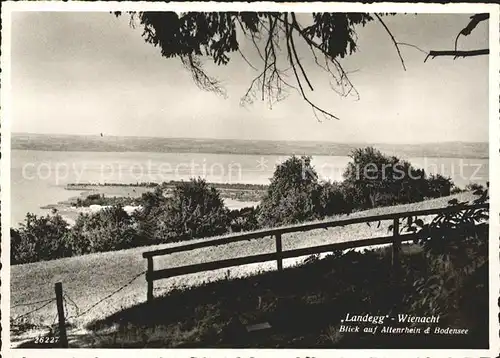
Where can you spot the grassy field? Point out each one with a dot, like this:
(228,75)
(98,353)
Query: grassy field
(90,278)
(304,306)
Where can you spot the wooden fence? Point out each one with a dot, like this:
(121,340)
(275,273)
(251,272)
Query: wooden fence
(395,239)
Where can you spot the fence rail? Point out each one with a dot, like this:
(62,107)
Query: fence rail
(395,239)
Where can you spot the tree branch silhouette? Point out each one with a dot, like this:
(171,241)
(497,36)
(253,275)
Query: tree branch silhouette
(194,36)
(392,38)
(475,20)
(466,31)
(456,54)
(290,53)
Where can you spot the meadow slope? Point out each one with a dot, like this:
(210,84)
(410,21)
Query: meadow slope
(90,278)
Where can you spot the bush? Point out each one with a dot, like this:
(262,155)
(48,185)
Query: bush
(244,219)
(456,274)
(473,187)
(39,239)
(101,199)
(194,210)
(438,186)
(373,179)
(456,246)
(333,200)
(145,219)
(293,194)
(456,190)
(107,230)
(94,196)
(152,199)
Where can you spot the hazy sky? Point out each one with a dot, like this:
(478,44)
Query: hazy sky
(87,73)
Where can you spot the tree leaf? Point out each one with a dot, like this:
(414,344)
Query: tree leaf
(419,223)
(410,220)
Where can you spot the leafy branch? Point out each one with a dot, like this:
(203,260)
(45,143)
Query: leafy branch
(330,37)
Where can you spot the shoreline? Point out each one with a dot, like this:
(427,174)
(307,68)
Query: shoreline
(401,154)
(234,195)
(94,143)
(225,185)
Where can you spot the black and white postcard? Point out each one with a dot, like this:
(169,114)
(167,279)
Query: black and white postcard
(249,179)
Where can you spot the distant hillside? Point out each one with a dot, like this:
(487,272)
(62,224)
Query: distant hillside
(23,141)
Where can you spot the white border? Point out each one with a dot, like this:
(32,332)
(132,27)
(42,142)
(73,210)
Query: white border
(5,174)
(494,137)
(494,146)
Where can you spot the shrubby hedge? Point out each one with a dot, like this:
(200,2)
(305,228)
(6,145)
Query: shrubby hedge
(106,230)
(244,219)
(334,200)
(39,239)
(50,237)
(194,210)
(101,199)
(373,179)
(293,194)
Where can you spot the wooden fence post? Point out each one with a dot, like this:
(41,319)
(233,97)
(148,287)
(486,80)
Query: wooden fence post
(149,279)
(396,248)
(278,251)
(396,264)
(63,338)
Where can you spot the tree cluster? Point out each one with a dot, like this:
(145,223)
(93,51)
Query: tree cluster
(195,209)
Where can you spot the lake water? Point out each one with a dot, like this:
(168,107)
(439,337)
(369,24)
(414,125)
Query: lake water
(38,178)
